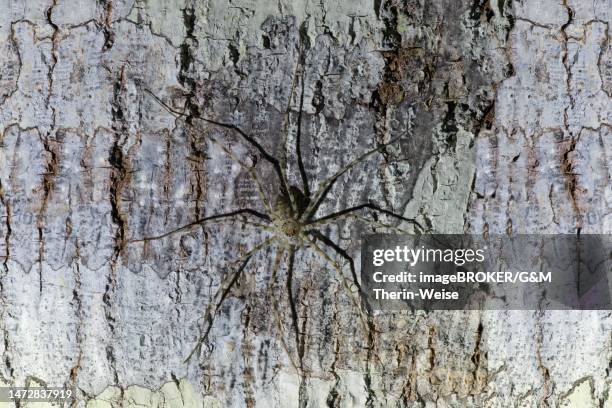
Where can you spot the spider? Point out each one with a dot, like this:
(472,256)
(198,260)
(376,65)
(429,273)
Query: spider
(293,221)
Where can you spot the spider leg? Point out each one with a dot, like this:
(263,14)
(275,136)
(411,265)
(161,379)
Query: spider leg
(294,313)
(249,139)
(277,315)
(275,267)
(365,220)
(326,185)
(370,206)
(367,320)
(248,169)
(298,137)
(258,225)
(201,221)
(345,283)
(283,161)
(227,284)
(299,72)
(337,249)
(298,143)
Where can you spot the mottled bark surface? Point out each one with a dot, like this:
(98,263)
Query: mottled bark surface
(504,114)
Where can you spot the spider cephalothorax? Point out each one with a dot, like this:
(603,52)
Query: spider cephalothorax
(292,221)
(287,212)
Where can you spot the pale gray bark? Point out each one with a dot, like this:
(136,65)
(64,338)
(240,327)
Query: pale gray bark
(504,107)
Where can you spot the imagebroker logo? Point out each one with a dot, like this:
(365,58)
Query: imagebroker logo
(451,272)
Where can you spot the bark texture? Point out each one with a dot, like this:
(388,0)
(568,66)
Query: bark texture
(505,117)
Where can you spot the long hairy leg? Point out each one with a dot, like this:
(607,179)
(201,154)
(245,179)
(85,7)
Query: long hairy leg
(299,345)
(298,77)
(248,138)
(285,133)
(261,226)
(250,170)
(227,283)
(370,206)
(369,322)
(298,142)
(202,221)
(338,250)
(275,309)
(367,221)
(345,282)
(326,185)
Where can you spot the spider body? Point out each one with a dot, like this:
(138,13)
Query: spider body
(291,220)
(287,213)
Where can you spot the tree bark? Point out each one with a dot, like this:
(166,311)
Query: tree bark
(503,113)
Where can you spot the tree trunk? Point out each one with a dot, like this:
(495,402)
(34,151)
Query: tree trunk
(502,110)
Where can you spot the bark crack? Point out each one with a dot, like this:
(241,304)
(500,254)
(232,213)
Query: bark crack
(544,371)
(119,164)
(52,148)
(7,223)
(571,180)
(107,24)
(192,110)
(333,398)
(566,64)
(118,179)
(77,300)
(48,145)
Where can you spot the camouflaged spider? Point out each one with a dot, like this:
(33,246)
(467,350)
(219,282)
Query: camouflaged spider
(291,219)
